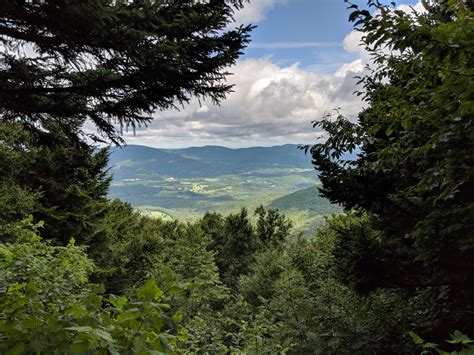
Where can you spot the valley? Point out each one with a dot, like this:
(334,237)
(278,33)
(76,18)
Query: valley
(185,183)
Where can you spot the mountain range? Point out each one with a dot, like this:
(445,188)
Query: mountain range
(186,183)
(207,161)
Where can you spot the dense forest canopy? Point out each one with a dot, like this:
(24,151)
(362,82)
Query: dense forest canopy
(393,273)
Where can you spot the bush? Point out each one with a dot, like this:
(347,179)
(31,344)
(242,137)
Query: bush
(48,305)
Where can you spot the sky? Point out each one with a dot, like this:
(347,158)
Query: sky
(300,65)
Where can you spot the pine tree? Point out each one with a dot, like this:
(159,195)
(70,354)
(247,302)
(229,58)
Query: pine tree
(112,61)
(64,185)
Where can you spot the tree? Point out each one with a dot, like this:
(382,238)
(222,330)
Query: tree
(272,228)
(414,174)
(239,244)
(236,241)
(298,302)
(16,202)
(66,183)
(112,61)
(126,246)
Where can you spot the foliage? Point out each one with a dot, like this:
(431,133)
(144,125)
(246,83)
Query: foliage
(65,185)
(192,263)
(457,339)
(413,175)
(125,246)
(130,248)
(396,264)
(236,241)
(48,305)
(120,62)
(300,303)
(258,285)
(15,204)
(272,228)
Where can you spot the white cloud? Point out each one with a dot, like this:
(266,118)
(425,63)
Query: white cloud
(256,10)
(353,42)
(270,105)
(357,66)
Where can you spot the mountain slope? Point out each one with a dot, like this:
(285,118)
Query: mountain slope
(134,161)
(305,200)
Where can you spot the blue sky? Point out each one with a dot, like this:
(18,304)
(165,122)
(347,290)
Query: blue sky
(306,31)
(300,65)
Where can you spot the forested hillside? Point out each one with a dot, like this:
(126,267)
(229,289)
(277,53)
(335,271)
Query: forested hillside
(390,273)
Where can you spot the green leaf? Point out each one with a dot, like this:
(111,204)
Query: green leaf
(79,347)
(177,317)
(104,335)
(176,290)
(459,337)
(416,338)
(82,329)
(118,302)
(138,345)
(149,291)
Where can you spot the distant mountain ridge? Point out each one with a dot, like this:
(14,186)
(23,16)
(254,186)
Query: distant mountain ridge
(185,183)
(137,160)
